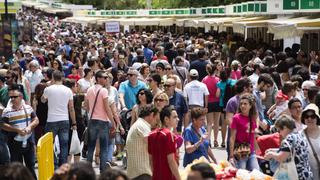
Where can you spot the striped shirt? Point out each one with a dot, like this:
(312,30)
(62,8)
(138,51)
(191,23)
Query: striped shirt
(17,117)
(137,149)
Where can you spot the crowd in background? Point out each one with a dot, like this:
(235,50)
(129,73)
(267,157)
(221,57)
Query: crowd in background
(176,89)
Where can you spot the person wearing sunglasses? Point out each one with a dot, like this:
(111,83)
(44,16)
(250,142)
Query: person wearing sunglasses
(310,117)
(19,120)
(160,100)
(155,83)
(293,145)
(144,97)
(129,89)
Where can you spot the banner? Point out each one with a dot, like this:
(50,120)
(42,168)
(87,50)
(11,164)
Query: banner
(112,27)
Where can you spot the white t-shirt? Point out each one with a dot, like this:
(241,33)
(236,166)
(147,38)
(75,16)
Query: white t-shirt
(195,92)
(58,98)
(84,84)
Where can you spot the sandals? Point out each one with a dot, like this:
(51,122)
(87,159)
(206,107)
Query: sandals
(223,145)
(216,144)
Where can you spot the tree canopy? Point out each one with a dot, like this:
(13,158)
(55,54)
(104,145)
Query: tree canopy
(141,4)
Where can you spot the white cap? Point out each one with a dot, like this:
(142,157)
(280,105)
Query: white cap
(194,72)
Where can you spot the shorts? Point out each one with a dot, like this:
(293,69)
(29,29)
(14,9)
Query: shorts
(214,107)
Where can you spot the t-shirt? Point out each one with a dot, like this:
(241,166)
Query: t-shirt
(242,125)
(18,118)
(75,77)
(222,86)
(130,92)
(236,75)
(195,92)
(211,83)
(84,85)
(99,112)
(161,143)
(232,105)
(58,98)
(190,135)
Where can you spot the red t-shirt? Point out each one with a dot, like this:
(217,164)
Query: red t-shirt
(161,143)
(266,142)
(211,83)
(75,77)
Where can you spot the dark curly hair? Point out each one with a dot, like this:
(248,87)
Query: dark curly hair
(148,94)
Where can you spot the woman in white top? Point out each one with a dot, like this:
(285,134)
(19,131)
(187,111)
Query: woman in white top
(86,82)
(310,117)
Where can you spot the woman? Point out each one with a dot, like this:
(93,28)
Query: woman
(295,108)
(219,67)
(292,144)
(196,138)
(311,118)
(144,97)
(56,65)
(160,100)
(22,79)
(242,134)
(214,109)
(86,82)
(155,83)
(144,71)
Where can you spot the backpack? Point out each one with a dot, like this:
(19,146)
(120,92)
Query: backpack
(229,92)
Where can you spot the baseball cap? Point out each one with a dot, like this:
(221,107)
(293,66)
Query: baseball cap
(194,72)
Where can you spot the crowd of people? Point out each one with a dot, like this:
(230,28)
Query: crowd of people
(143,95)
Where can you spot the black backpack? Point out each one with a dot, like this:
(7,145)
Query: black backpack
(229,92)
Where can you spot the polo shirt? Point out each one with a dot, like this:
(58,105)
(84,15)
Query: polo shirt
(130,92)
(161,143)
(138,162)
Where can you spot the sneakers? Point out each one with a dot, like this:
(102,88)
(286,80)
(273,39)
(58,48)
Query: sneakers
(113,163)
(108,165)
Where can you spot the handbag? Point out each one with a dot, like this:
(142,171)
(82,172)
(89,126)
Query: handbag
(287,170)
(243,150)
(313,151)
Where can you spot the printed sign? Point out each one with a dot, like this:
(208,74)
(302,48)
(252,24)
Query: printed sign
(112,27)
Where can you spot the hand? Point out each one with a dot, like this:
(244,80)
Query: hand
(28,130)
(62,171)
(268,155)
(205,136)
(125,109)
(22,132)
(74,127)
(232,161)
(263,125)
(122,131)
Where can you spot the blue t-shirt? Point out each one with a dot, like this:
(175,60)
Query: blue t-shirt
(130,92)
(222,86)
(190,135)
(148,54)
(67,68)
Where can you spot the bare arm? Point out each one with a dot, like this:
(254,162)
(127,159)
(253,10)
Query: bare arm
(191,148)
(121,99)
(229,117)
(232,142)
(206,101)
(173,166)
(133,115)
(43,99)
(280,156)
(72,114)
(108,109)
(34,123)
(218,92)
(9,128)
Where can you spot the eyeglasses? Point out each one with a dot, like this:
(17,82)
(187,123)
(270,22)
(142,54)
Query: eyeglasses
(305,89)
(13,97)
(141,93)
(159,100)
(131,75)
(168,85)
(313,116)
(168,68)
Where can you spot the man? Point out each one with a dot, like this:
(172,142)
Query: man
(19,120)
(154,63)
(60,105)
(96,102)
(67,65)
(129,89)
(196,92)
(256,73)
(138,165)
(162,147)
(242,86)
(177,100)
(201,171)
(200,64)
(264,82)
(154,83)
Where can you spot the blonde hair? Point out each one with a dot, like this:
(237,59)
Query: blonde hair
(162,95)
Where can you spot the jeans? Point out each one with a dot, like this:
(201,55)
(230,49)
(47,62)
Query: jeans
(110,149)
(4,154)
(228,143)
(250,163)
(98,129)
(20,154)
(60,128)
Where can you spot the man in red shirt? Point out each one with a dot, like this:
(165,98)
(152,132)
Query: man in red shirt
(162,147)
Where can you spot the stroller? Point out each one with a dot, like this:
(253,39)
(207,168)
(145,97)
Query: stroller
(125,118)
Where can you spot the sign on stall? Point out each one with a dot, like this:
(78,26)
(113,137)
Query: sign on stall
(112,27)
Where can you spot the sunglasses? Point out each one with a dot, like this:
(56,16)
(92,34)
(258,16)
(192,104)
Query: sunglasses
(13,97)
(141,93)
(159,100)
(131,75)
(313,116)
(305,89)
(167,85)
(168,68)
